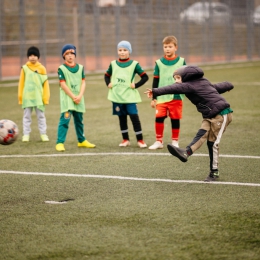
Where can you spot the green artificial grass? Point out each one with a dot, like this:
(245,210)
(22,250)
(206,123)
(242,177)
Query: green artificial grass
(148,218)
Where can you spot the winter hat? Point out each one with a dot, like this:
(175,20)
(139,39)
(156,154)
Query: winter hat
(33,51)
(126,45)
(68,48)
(189,73)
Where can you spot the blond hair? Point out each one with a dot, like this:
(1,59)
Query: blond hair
(170,39)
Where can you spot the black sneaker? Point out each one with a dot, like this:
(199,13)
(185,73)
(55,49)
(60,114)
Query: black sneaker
(178,152)
(212,176)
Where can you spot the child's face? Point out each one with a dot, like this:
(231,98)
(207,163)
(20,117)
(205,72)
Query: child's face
(70,58)
(123,53)
(33,59)
(169,49)
(178,79)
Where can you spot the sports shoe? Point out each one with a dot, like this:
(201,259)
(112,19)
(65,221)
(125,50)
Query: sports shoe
(26,138)
(175,143)
(86,144)
(213,175)
(125,143)
(156,145)
(45,138)
(142,144)
(178,152)
(60,147)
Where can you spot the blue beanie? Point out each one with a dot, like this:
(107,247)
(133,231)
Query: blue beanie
(126,45)
(68,47)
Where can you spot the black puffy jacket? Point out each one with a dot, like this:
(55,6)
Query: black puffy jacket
(203,94)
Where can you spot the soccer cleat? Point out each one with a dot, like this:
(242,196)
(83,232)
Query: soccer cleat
(156,145)
(175,143)
(178,152)
(124,143)
(45,138)
(142,144)
(60,147)
(26,138)
(213,175)
(86,144)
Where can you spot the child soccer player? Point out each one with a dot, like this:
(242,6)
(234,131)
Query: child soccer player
(168,104)
(72,88)
(215,110)
(33,93)
(123,91)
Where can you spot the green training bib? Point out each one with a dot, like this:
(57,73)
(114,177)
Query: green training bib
(73,81)
(166,79)
(121,79)
(33,89)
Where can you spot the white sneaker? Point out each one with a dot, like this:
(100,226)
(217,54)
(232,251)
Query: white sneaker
(156,145)
(142,144)
(175,143)
(125,143)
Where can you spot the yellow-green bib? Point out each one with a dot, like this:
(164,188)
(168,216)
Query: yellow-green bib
(121,79)
(166,79)
(33,89)
(73,81)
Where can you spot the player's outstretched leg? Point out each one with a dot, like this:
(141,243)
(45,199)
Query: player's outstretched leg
(178,152)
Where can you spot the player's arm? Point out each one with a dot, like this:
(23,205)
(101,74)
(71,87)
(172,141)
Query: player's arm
(46,92)
(144,77)
(66,89)
(21,87)
(156,77)
(107,77)
(223,87)
(64,86)
(176,88)
(141,82)
(78,98)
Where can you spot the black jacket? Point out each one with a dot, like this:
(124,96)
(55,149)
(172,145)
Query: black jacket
(203,94)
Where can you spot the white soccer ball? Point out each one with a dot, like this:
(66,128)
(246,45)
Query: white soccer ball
(8,132)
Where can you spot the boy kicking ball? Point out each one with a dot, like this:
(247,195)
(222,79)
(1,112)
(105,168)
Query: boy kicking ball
(215,110)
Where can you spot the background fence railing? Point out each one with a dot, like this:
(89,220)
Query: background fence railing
(226,31)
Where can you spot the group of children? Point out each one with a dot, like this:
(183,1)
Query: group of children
(172,80)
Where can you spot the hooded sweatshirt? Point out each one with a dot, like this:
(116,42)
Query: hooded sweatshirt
(40,69)
(202,93)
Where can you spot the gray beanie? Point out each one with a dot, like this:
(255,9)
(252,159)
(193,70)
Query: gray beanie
(126,45)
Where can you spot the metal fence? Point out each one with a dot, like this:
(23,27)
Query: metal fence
(211,31)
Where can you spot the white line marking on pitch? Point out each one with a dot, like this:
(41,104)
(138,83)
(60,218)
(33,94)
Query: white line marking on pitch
(137,154)
(127,178)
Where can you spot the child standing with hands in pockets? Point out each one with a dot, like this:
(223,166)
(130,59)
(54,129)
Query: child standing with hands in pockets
(123,92)
(72,88)
(167,105)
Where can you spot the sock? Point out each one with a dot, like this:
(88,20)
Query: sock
(123,127)
(175,134)
(137,127)
(189,151)
(175,129)
(159,127)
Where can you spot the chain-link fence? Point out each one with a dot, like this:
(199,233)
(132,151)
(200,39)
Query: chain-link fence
(207,31)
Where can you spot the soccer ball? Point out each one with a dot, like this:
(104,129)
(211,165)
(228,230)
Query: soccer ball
(8,132)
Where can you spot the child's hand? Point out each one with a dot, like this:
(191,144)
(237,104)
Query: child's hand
(109,85)
(132,85)
(77,100)
(149,93)
(153,103)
